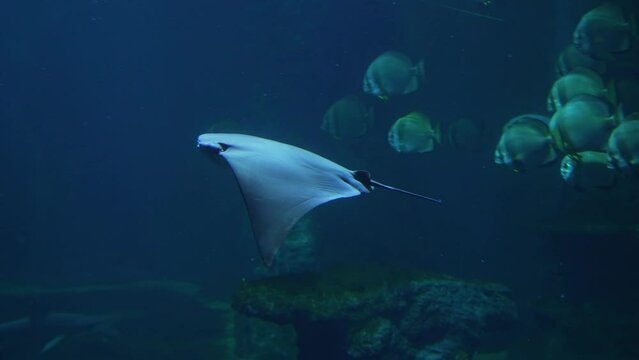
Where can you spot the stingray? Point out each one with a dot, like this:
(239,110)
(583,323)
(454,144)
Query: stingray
(280,183)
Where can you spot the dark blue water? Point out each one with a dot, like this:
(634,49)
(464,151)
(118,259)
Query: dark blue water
(101,102)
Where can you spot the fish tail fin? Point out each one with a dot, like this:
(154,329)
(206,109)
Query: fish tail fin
(450,136)
(437,133)
(419,71)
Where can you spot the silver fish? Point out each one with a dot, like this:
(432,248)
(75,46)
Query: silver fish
(414,133)
(603,31)
(623,145)
(392,74)
(579,81)
(465,135)
(525,143)
(582,124)
(571,59)
(350,117)
(587,170)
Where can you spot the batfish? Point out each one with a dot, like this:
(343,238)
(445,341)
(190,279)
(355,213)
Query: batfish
(280,183)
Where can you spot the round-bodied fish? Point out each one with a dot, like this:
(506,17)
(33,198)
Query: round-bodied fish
(348,118)
(587,170)
(525,143)
(604,31)
(584,123)
(571,59)
(392,74)
(465,135)
(579,81)
(414,133)
(623,145)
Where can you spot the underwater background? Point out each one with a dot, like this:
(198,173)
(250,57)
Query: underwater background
(107,207)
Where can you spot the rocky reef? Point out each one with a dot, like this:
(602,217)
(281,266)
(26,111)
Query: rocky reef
(380,313)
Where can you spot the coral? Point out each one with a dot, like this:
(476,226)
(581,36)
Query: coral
(372,338)
(373,312)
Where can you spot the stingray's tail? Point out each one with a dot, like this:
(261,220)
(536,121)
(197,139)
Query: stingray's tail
(373,182)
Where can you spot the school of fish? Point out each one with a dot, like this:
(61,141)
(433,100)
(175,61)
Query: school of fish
(596,86)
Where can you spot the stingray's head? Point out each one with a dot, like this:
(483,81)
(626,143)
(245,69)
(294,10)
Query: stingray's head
(211,146)
(211,142)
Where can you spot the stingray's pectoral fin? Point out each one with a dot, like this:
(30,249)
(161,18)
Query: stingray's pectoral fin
(272,219)
(387,187)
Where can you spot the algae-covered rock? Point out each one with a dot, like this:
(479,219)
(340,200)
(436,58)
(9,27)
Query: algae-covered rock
(255,339)
(371,339)
(380,313)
